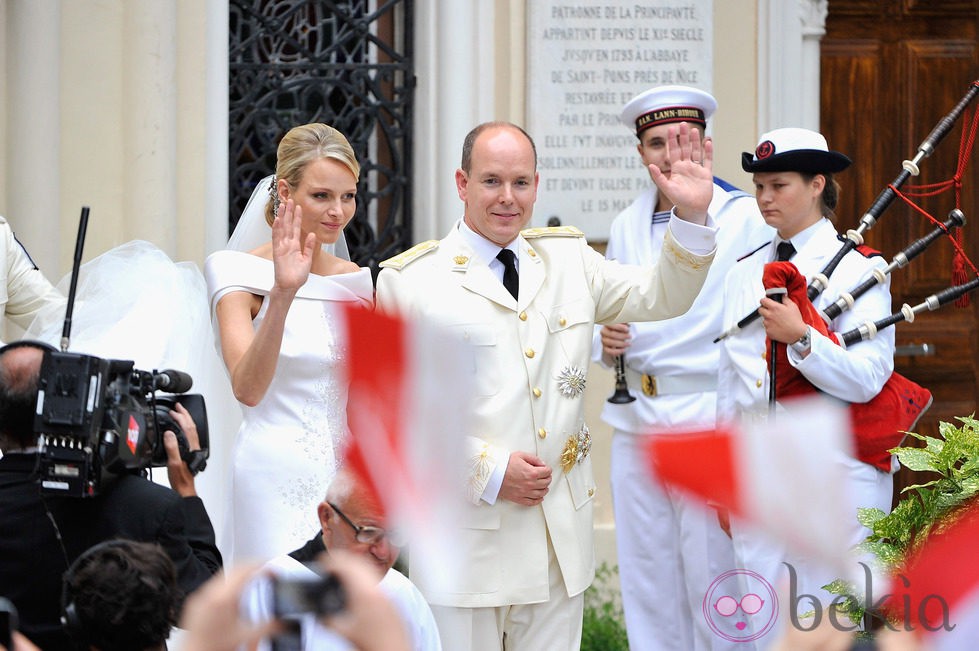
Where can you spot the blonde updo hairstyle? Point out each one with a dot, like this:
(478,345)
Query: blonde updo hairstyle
(302,145)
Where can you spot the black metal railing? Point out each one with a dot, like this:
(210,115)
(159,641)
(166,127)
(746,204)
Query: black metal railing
(346,63)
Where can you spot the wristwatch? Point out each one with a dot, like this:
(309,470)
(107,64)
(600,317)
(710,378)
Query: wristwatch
(804,344)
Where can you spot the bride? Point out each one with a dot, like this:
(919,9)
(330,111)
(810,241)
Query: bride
(274,309)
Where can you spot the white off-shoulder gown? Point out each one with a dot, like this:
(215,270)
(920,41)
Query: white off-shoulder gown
(289,444)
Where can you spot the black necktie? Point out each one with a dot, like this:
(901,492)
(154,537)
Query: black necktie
(510,278)
(784,251)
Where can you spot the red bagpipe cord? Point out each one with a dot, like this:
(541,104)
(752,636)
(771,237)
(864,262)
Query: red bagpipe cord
(960,261)
(878,425)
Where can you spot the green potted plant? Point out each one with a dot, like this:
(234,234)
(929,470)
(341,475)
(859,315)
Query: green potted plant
(951,462)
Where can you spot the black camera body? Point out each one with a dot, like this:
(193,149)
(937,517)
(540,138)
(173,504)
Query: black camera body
(196,460)
(101,417)
(8,623)
(319,594)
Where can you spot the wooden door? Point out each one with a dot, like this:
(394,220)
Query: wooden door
(890,71)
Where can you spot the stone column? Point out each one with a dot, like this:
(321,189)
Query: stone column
(33,128)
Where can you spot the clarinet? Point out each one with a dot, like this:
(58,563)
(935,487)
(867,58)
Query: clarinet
(622,395)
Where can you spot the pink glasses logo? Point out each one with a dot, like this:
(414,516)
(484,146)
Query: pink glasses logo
(740,606)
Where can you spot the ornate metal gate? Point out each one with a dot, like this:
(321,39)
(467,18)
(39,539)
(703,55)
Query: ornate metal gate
(348,63)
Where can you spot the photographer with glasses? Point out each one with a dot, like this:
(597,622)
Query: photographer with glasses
(352,521)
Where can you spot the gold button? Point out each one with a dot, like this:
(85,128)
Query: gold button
(523,316)
(758,383)
(532,253)
(562,322)
(764,354)
(529,353)
(542,433)
(591,492)
(537,392)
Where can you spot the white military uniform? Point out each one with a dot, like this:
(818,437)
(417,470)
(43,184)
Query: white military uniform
(854,374)
(529,357)
(669,548)
(24,291)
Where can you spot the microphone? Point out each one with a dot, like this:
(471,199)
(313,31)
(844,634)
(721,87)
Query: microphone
(172,381)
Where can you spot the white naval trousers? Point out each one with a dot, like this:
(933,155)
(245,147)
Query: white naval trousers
(670,550)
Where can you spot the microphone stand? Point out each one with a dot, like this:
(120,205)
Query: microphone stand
(73,283)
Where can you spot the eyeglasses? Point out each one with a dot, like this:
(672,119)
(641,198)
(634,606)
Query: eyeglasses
(750,604)
(371,535)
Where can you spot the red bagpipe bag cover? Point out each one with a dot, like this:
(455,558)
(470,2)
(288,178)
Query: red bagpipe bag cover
(878,425)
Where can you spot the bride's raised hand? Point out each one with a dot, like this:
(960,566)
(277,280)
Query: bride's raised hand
(292,254)
(690,183)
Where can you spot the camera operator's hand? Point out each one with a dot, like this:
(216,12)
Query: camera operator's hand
(181,479)
(370,620)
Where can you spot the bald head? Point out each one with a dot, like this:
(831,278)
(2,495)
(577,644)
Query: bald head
(472,136)
(349,499)
(20,369)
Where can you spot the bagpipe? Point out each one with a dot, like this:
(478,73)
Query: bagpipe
(879,424)
(854,238)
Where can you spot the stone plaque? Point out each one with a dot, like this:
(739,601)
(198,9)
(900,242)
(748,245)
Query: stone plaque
(585,61)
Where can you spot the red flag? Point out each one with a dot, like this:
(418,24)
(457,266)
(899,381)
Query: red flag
(781,474)
(408,415)
(935,587)
(377,375)
(699,462)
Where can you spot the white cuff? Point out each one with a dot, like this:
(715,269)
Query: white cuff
(492,489)
(699,240)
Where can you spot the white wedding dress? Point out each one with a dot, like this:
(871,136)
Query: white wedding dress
(288,446)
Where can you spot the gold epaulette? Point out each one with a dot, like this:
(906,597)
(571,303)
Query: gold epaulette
(551,231)
(405,258)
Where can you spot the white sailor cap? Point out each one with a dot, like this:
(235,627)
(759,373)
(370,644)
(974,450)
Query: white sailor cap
(665,104)
(793,149)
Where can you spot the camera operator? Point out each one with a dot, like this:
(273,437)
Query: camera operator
(41,535)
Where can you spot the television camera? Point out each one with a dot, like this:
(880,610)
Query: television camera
(99,417)
(96,417)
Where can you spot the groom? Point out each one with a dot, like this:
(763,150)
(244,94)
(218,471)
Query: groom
(526,302)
